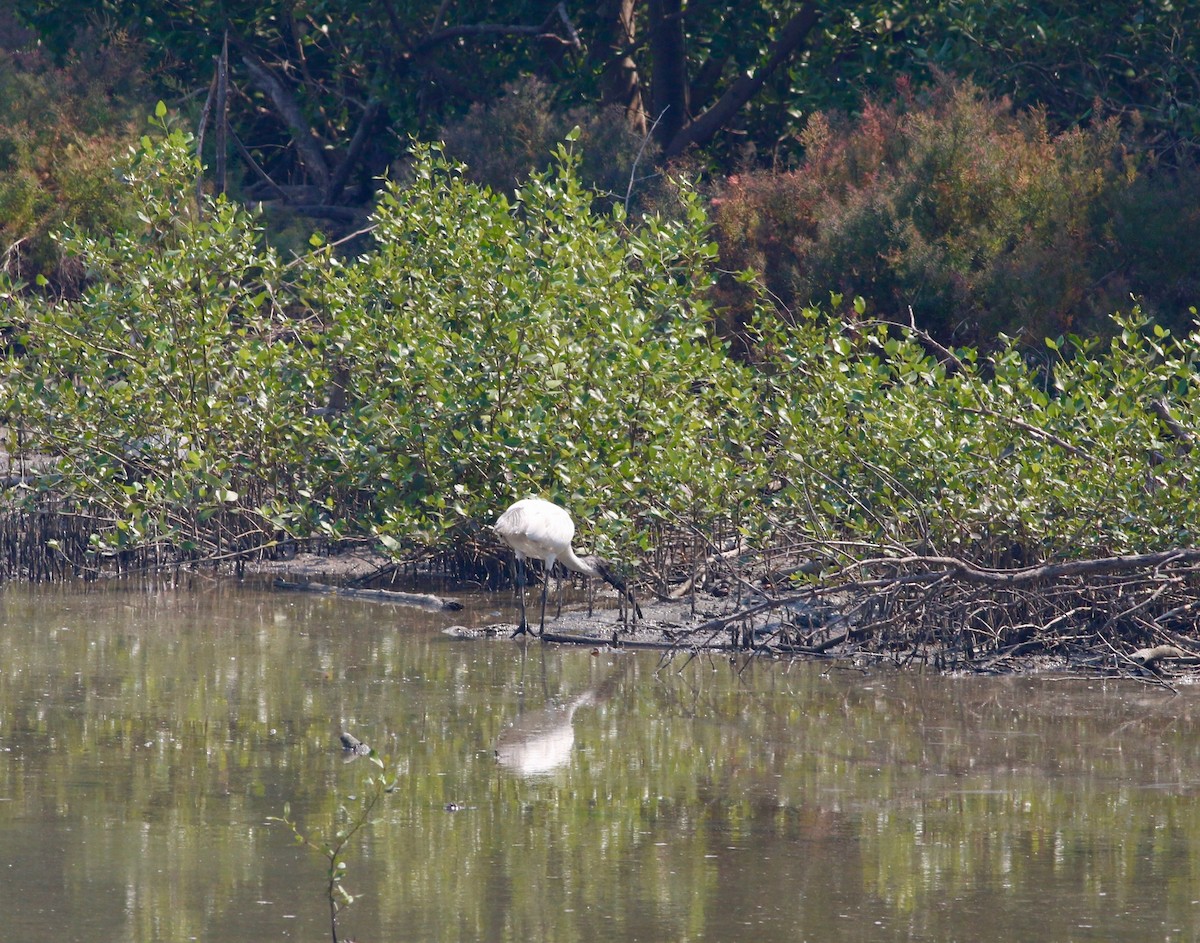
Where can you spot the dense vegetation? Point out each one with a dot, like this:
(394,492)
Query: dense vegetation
(1036,199)
(319,70)
(204,396)
(949,207)
(832,360)
(62,130)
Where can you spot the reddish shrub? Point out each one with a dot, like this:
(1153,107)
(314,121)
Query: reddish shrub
(61,130)
(976,218)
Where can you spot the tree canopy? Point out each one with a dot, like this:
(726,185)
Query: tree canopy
(323,93)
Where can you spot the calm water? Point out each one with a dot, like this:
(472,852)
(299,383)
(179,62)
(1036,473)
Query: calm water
(147,735)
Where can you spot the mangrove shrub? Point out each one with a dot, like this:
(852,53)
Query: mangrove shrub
(205,397)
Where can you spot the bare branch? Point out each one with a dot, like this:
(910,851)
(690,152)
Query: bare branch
(954,613)
(633,170)
(310,146)
(338,181)
(931,567)
(711,121)
(568,26)
(1160,408)
(254,166)
(951,361)
(544,30)
(220,129)
(1033,430)
(204,113)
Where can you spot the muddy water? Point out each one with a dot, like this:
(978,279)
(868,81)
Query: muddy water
(147,735)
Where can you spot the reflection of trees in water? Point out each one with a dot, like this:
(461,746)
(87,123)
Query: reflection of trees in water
(140,742)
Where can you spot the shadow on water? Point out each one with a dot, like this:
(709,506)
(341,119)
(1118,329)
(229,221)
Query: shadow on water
(147,734)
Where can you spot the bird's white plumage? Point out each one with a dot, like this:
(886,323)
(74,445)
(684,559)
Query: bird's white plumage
(534,527)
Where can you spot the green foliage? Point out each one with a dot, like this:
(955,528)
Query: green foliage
(502,143)
(375,785)
(494,348)
(152,389)
(203,396)
(976,219)
(426,63)
(332,56)
(884,445)
(1075,63)
(1080,63)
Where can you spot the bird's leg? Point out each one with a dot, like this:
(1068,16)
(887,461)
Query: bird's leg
(545,589)
(558,578)
(519,577)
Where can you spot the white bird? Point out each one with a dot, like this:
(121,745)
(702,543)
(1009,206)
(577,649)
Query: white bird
(533,527)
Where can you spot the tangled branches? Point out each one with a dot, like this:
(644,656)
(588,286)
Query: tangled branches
(1130,614)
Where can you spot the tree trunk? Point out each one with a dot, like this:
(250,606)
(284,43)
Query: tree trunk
(669,81)
(619,82)
(705,127)
(309,146)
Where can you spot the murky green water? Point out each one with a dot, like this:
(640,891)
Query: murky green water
(147,735)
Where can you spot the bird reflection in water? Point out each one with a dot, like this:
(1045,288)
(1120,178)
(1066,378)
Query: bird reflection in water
(540,741)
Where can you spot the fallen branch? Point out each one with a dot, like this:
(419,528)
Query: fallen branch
(419,600)
(1146,657)
(1126,563)
(951,611)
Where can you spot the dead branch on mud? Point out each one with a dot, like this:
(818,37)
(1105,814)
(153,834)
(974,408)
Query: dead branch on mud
(1132,614)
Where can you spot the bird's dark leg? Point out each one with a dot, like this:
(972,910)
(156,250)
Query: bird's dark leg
(519,576)
(545,589)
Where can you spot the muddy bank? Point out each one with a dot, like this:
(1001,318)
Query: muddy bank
(770,628)
(721,626)
(664,625)
(817,624)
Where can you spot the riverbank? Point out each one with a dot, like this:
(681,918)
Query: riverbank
(810,625)
(925,612)
(768,628)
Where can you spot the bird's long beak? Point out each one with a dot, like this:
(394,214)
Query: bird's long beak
(610,576)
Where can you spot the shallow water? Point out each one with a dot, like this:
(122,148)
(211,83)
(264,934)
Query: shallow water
(147,735)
